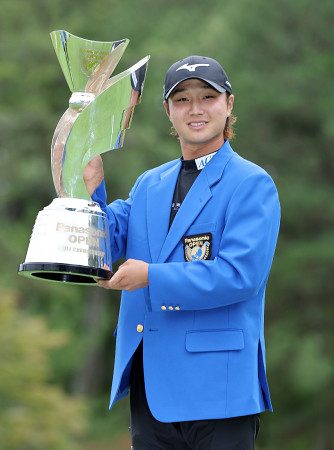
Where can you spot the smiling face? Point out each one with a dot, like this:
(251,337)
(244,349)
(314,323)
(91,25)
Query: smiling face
(198,113)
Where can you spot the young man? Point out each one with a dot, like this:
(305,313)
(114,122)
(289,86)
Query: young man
(199,236)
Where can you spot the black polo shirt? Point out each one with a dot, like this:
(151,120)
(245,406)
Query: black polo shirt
(189,171)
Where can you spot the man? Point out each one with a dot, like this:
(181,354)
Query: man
(199,236)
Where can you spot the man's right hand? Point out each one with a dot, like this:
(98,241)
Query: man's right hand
(93,174)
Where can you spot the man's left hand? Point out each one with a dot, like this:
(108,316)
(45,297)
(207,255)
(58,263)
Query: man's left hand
(131,275)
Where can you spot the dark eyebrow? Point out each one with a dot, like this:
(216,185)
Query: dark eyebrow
(178,90)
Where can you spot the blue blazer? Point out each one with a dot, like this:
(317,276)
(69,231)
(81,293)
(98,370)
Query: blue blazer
(202,314)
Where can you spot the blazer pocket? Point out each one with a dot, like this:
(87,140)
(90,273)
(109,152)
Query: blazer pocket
(214,340)
(201,228)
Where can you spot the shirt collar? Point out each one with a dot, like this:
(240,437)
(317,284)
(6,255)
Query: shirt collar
(193,165)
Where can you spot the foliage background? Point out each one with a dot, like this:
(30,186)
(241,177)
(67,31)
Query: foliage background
(56,342)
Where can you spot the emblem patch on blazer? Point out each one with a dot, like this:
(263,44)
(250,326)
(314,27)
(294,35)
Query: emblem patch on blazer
(197,247)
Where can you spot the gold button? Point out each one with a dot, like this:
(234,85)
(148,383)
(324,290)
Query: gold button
(177,308)
(140,328)
(163,308)
(171,308)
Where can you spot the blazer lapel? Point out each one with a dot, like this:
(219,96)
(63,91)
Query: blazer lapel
(197,197)
(159,203)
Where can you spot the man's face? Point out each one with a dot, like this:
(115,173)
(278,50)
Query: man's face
(198,113)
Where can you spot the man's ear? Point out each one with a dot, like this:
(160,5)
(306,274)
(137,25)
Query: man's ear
(166,108)
(230,104)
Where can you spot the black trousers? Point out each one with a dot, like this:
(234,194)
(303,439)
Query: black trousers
(147,433)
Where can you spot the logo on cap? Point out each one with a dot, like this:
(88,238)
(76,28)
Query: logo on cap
(191,67)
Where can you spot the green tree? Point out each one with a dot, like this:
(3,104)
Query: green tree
(34,414)
(279,58)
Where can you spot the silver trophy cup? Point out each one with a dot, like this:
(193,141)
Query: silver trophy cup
(70,240)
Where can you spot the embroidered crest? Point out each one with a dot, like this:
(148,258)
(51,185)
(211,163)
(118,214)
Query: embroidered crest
(197,247)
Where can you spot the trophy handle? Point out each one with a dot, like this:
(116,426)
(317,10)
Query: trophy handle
(97,81)
(101,126)
(100,111)
(79,58)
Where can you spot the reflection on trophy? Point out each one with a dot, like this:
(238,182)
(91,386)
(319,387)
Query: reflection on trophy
(70,241)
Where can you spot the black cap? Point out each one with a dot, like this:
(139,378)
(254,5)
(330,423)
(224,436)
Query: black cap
(201,67)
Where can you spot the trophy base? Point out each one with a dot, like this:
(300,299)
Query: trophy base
(68,273)
(69,243)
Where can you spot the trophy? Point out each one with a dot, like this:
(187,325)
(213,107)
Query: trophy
(70,240)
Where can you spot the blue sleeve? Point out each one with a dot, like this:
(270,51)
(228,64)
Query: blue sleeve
(242,265)
(118,213)
(118,216)
(100,195)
